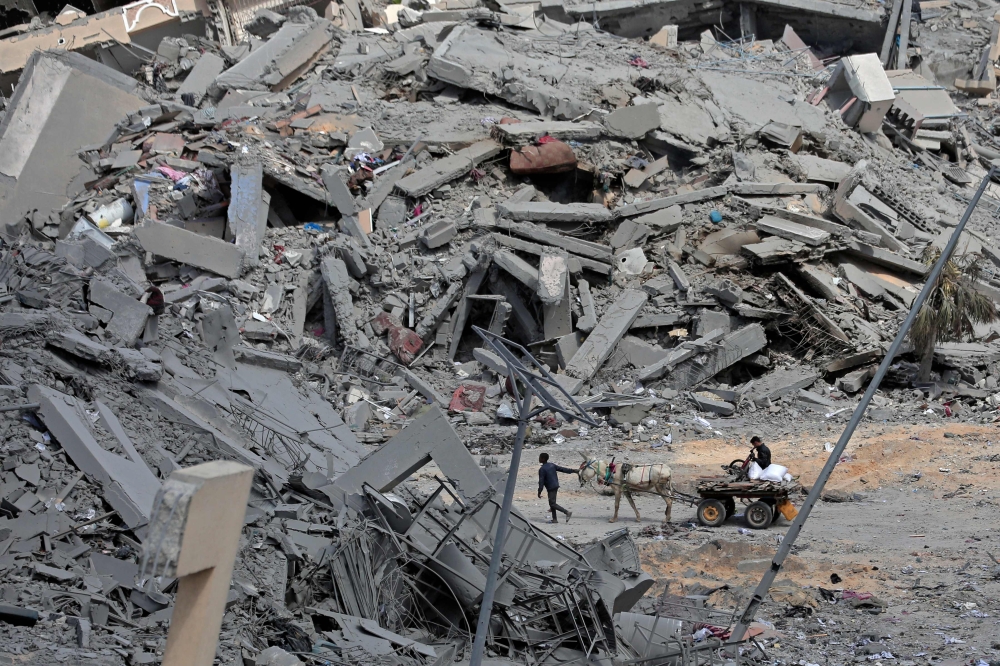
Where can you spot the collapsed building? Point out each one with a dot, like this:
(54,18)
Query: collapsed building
(327,202)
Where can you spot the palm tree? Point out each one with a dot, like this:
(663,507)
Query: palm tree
(952,309)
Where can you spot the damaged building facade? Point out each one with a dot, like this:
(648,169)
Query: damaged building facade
(262,233)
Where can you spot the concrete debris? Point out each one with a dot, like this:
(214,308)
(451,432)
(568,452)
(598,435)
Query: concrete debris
(270,238)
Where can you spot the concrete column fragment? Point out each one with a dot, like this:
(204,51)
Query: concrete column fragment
(588,321)
(244,214)
(338,308)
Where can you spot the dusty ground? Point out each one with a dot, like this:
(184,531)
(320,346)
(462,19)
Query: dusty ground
(917,534)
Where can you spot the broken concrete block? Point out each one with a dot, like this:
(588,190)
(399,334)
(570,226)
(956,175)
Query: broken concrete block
(855,380)
(706,404)
(438,234)
(259,331)
(563,130)
(711,320)
(490,360)
(633,122)
(861,77)
(588,321)
(630,234)
(128,320)
(605,337)
(267,359)
(782,135)
(678,275)
(780,383)
(567,346)
(143,366)
(577,246)
(665,219)
(728,292)
(821,281)
(79,345)
(640,353)
(275,656)
(520,269)
(208,67)
(730,349)
(666,38)
(170,242)
(557,316)
(447,169)
(280,60)
(792,231)
(338,195)
(356,416)
(546,211)
(429,437)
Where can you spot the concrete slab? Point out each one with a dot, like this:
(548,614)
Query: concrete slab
(128,484)
(518,268)
(641,353)
(546,211)
(632,122)
(187,247)
(129,315)
(280,60)
(201,76)
(526,132)
(792,231)
(429,438)
(447,169)
(605,337)
(62,101)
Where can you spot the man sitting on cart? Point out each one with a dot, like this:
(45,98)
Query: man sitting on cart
(761,454)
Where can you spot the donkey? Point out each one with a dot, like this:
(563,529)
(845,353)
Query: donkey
(623,477)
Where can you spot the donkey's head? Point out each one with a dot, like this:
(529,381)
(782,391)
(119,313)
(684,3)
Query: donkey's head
(588,470)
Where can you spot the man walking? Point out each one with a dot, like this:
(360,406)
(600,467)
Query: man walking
(549,480)
(762,454)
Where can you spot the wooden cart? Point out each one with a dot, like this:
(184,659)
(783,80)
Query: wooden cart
(718,501)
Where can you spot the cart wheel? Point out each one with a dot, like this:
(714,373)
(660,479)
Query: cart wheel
(730,507)
(711,513)
(775,514)
(758,515)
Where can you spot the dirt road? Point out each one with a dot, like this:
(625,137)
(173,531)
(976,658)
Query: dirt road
(917,533)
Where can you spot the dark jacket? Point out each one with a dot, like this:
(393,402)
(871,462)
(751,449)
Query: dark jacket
(547,477)
(763,456)
(155,301)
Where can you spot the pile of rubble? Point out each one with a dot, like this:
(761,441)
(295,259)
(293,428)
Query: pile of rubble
(270,245)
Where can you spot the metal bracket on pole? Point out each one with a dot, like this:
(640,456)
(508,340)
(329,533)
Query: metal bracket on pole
(793,532)
(537,382)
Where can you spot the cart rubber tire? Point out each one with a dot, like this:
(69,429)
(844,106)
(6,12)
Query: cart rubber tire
(730,507)
(775,514)
(758,515)
(711,512)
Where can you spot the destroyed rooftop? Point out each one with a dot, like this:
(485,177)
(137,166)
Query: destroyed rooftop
(692,213)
